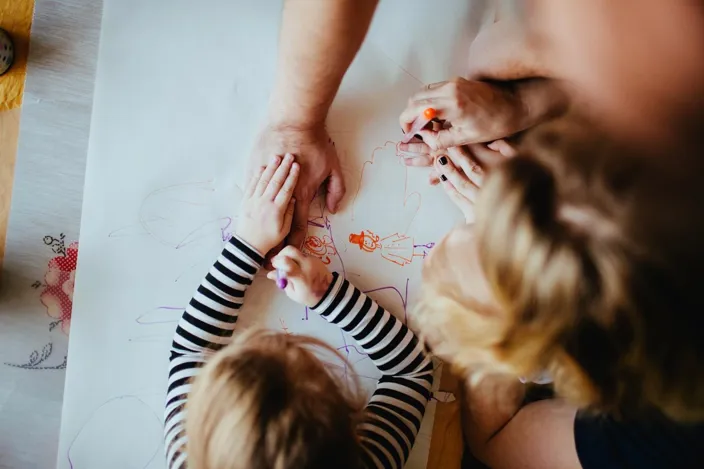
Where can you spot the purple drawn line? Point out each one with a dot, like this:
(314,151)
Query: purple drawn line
(139,320)
(223,234)
(347,348)
(337,251)
(404,299)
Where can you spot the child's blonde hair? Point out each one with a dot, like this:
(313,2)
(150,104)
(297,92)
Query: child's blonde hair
(266,401)
(594,258)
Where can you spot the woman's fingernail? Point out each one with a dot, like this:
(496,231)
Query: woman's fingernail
(274,159)
(443,178)
(288,156)
(443,160)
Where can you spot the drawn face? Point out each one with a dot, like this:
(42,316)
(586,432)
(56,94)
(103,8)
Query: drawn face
(370,244)
(366,240)
(314,245)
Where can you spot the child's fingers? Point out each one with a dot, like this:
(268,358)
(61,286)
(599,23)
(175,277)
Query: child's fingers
(267,175)
(293,253)
(287,265)
(421,160)
(486,155)
(503,147)
(285,192)
(279,177)
(253,180)
(414,148)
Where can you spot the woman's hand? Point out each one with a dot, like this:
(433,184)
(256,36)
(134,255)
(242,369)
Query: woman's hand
(461,171)
(308,278)
(461,176)
(267,208)
(477,111)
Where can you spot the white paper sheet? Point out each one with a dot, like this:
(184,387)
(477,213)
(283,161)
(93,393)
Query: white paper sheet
(181,90)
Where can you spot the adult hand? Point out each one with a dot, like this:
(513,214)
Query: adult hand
(315,153)
(267,207)
(461,176)
(476,111)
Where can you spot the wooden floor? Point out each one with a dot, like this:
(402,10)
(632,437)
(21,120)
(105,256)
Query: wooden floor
(9,130)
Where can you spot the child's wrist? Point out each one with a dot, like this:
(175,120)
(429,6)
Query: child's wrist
(320,289)
(252,241)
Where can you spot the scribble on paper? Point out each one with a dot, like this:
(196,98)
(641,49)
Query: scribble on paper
(397,248)
(385,161)
(109,432)
(179,215)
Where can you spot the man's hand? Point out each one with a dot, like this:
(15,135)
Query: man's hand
(267,207)
(476,111)
(315,153)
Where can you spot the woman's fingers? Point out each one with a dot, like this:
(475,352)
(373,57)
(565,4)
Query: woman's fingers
(434,178)
(465,205)
(449,173)
(283,195)
(279,177)
(267,175)
(253,181)
(463,158)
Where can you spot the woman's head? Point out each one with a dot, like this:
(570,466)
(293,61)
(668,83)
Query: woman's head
(585,260)
(267,401)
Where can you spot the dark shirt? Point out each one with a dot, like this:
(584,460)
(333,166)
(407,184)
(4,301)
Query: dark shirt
(656,442)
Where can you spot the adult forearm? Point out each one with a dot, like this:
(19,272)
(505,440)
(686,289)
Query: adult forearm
(488,406)
(319,39)
(540,99)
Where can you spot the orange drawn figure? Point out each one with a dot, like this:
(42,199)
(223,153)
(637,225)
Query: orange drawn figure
(322,248)
(397,248)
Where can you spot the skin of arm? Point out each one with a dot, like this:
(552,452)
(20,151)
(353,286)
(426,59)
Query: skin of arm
(319,40)
(503,435)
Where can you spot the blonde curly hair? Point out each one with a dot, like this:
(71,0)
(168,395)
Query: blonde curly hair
(593,258)
(268,401)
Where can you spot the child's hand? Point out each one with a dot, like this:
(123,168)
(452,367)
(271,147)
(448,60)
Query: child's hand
(267,208)
(308,278)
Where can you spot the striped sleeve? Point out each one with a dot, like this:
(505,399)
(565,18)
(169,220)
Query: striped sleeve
(396,409)
(206,326)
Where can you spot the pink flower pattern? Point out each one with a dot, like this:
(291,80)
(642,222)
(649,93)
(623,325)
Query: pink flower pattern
(59,280)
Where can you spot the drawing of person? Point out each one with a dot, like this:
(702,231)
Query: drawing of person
(322,248)
(397,248)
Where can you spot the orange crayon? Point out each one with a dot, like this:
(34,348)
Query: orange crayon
(420,122)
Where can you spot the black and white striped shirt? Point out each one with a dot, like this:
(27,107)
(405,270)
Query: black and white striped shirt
(396,409)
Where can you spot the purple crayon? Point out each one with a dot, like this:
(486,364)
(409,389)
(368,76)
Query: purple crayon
(281,280)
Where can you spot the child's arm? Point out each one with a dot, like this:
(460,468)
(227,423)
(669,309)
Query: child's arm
(210,317)
(396,409)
